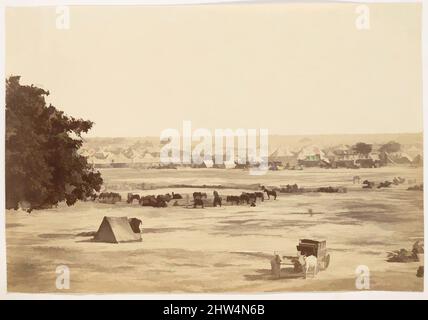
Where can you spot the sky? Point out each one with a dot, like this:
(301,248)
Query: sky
(291,68)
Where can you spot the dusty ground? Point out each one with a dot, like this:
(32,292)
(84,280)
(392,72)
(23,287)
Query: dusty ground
(222,249)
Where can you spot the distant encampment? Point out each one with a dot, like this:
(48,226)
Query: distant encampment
(284,153)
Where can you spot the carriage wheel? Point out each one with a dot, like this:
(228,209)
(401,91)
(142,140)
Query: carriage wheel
(326,261)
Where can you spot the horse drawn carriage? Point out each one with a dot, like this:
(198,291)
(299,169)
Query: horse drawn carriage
(312,255)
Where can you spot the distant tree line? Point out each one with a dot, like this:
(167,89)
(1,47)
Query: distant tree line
(391,146)
(365,148)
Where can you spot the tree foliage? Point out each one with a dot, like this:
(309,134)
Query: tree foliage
(43,167)
(391,146)
(363,148)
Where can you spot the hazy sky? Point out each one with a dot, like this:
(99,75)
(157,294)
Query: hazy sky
(293,69)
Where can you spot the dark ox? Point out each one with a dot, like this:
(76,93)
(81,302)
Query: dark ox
(198,199)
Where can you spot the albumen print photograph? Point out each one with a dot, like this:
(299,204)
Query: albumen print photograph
(220,148)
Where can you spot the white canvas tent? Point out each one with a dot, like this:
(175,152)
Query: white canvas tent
(146,160)
(115,230)
(284,155)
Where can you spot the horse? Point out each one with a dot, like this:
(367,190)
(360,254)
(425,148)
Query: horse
(310,262)
(217,199)
(135,224)
(132,197)
(269,192)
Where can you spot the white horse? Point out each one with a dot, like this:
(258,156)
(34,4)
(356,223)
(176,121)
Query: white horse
(309,263)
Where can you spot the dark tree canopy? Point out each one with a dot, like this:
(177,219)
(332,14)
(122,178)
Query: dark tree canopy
(363,148)
(391,146)
(43,167)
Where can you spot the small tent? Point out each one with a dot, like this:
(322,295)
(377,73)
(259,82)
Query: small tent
(115,230)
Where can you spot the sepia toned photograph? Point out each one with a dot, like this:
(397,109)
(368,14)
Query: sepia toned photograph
(218,148)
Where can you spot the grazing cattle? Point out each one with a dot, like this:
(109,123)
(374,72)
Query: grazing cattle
(233,200)
(161,201)
(135,224)
(244,198)
(176,196)
(269,192)
(356,179)
(109,197)
(247,197)
(167,197)
(198,199)
(416,188)
(132,197)
(290,188)
(398,180)
(217,199)
(200,195)
(260,195)
(148,201)
(253,197)
(198,202)
(384,184)
(328,189)
(368,184)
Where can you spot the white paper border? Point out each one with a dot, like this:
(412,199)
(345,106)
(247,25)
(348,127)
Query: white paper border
(224,296)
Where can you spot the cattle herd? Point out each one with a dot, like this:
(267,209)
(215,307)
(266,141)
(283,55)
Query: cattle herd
(200,199)
(384,184)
